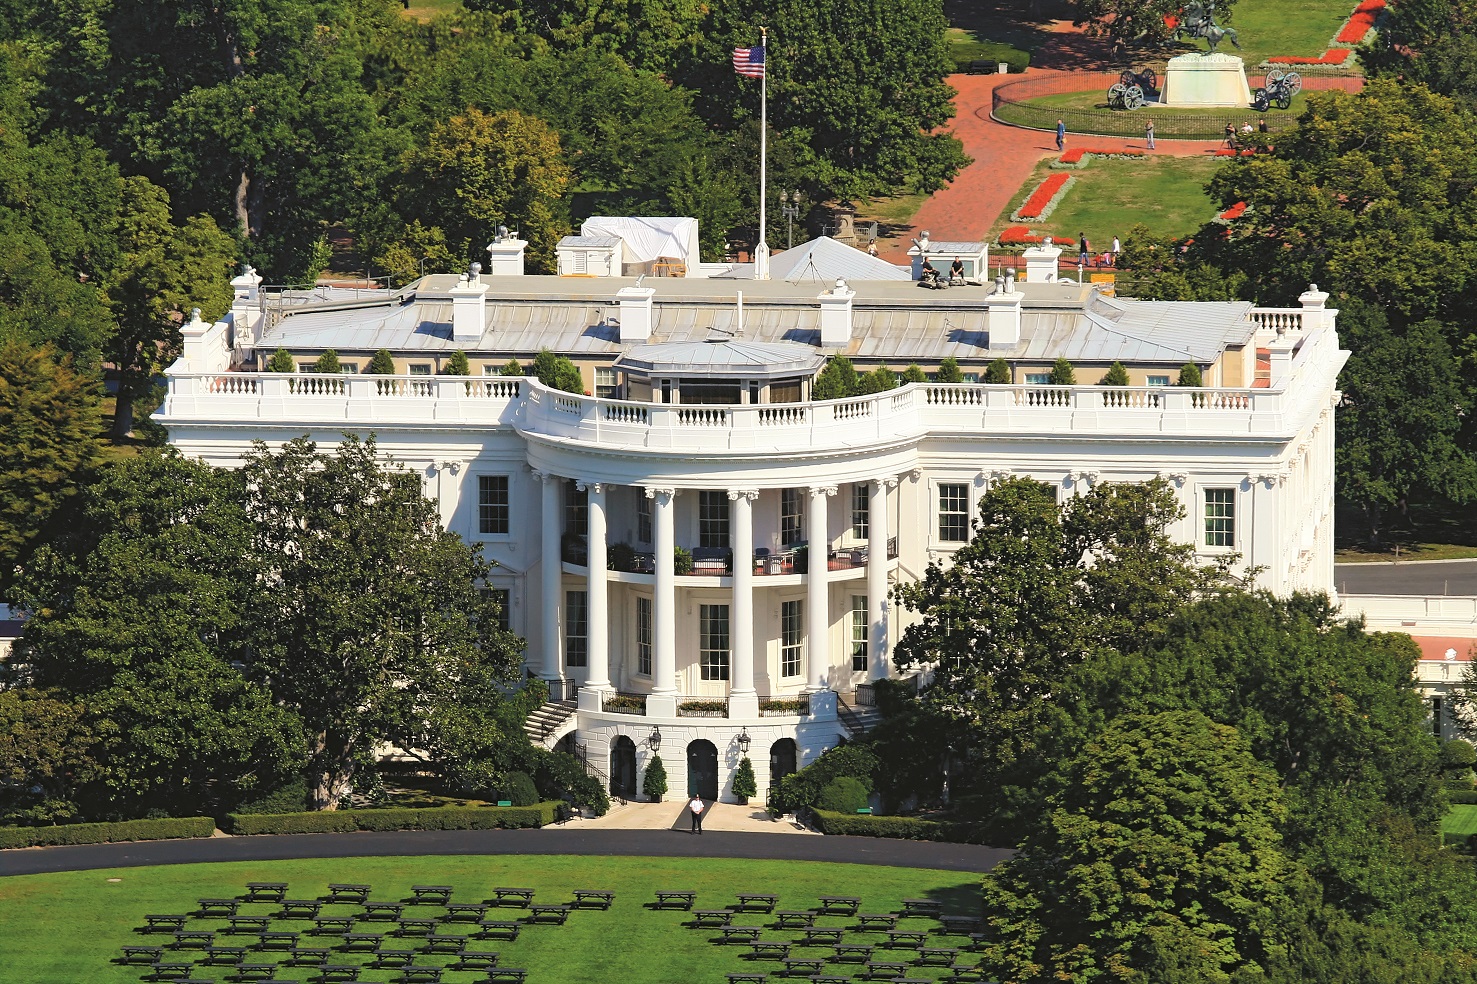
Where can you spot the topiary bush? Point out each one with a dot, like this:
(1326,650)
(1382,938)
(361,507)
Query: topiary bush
(519,788)
(654,783)
(744,784)
(843,795)
(803,789)
(282,361)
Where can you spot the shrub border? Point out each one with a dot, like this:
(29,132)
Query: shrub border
(898,828)
(395,818)
(171,828)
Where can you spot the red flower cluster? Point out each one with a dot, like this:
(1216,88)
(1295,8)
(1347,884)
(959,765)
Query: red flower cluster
(1333,56)
(1074,156)
(1228,152)
(1360,22)
(1019,235)
(1235,211)
(1042,196)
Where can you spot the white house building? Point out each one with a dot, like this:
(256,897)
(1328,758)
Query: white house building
(698,554)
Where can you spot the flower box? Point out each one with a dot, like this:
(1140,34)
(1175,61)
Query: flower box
(1044,199)
(1076,156)
(1361,22)
(1333,56)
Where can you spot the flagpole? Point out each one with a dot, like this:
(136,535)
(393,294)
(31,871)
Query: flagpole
(761,251)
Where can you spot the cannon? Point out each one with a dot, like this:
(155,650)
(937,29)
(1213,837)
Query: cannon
(1277,91)
(1147,80)
(1122,96)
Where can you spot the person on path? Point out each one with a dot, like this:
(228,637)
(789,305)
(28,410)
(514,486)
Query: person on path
(1084,250)
(1061,135)
(1149,134)
(1231,135)
(695,807)
(1261,125)
(1117,248)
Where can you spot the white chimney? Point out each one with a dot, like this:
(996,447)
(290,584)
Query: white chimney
(836,315)
(1316,314)
(1041,263)
(1003,316)
(636,313)
(1279,351)
(246,312)
(469,308)
(505,255)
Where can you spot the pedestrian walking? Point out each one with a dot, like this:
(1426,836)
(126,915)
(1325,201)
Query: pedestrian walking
(1061,135)
(1231,135)
(1117,248)
(1084,250)
(1149,134)
(695,807)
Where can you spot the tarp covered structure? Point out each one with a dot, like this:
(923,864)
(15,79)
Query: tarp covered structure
(649,240)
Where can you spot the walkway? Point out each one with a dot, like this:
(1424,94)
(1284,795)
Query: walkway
(1432,578)
(728,817)
(575,838)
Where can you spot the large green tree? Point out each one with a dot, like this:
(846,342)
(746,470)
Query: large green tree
(1138,21)
(373,619)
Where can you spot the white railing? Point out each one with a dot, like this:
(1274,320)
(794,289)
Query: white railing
(1278,319)
(911,412)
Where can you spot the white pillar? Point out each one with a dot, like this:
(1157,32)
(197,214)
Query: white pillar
(818,591)
(877,606)
(742,699)
(598,587)
(553,574)
(663,702)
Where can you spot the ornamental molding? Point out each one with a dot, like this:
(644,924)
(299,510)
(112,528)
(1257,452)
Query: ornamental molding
(1178,478)
(596,487)
(819,490)
(747,494)
(1090,477)
(661,495)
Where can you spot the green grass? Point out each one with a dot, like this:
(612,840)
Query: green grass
(970,46)
(1428,531)
(1461,819)
(424,10)
(1300,28)
(1109,197)
(1098,99)
(68,927)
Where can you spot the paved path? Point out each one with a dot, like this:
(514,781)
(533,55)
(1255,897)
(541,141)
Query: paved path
(577,838)
(728,817)
(1457,577)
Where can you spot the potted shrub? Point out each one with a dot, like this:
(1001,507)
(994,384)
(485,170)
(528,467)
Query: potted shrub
(744,785)
(621,557)
(682,560)
(654,783)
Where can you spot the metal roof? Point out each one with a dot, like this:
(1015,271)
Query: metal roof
(603,242)
(824,260)
(724,357)
(960,248)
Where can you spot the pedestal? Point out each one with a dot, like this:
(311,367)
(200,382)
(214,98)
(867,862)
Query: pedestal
(1205,80)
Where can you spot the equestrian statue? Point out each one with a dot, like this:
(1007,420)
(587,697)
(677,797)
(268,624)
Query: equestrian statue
(1198,21)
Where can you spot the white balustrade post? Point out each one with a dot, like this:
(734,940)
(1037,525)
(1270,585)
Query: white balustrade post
(742,699)
(598,587)
(818,591)
(877,605)
(553,574)
(663,699)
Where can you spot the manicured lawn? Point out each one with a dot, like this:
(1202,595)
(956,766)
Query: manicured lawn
(1460,820)
(1098,99)
(1302,28)
(1109,197)
(424,10)
(69,927)
(1429,531)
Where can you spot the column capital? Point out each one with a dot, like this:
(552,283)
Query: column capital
(819,490)
(664,495)
(750,494)
(1178,478)
(547,477)
(452,466)
(916,474)
(1090,477)
(890,482)
(1270,479)
(589,486)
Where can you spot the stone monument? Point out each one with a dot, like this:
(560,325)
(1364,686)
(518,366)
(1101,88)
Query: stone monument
(1210,79)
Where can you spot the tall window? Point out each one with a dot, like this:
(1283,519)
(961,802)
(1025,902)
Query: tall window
(859,625)
(576,510)
(953,512)
(605,384)
(792,637)
(576,629)
(712,518)
(861,510)
(713,641)
(1220,517)
(492,504)
(792,518)
(643,518)
(643,636)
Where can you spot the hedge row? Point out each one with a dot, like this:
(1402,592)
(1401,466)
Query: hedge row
(106,833)
(1461,796)
(1462,842)
(899,828)
(434,818)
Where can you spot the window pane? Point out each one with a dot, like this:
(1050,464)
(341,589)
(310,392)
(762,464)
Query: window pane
(861,505)
(576,628)
(859,624)
(1220,517)
(953,512)
(713,643)
(643,636)
(492,504)
(605,386)
(712,521)
(576,510)
(792,519)
(1038,378)
(792,637)
(643,518)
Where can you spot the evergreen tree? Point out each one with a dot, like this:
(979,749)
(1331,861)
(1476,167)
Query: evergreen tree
(914,374)
(457,365)
(1189,375)
(328,362)
(744,784)
(383,364)
(1115,376)
(281,361)
(512,368)
(654,783)
(879,380)
(836,381)
(949,371)
(1062,374)
(998,371)
(557,372)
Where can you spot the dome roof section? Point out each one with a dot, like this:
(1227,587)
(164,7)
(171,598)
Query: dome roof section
(726,357)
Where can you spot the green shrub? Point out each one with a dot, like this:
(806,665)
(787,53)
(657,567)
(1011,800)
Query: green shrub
(457,365)
(383,364)
(519,788)
(1116,375)
(1062,373)
(1457,755)
(292,798)
(107,833)
(1189,375)
(998,372)
(682,560)
(1462,797)
(799,705)
(328,362)
(511,368)
(282,361)
(744,784)
(625,704)
(703,706)
(949,371)
(557,372)
(803,789)
(654,783)
(914,374)
(899,828)
(429,818)
(843,795)
(561,776)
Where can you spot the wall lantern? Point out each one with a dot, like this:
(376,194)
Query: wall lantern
(654,740)
(744,741)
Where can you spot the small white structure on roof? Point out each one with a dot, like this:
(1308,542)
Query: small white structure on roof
(974,255)
(824,260)
(590,256)
(655,245)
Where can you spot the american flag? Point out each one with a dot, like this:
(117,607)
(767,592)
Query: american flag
(749,61)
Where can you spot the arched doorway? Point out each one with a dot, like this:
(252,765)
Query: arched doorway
(702,769)
(623,767)
(781,760)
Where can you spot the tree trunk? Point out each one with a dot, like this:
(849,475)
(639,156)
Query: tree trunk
(243,193)
(123,415)
(1372,520)
(330,771)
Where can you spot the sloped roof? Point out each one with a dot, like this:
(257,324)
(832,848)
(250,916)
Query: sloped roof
(724,357)
(824,260)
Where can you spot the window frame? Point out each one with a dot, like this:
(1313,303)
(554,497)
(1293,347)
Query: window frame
(643,635)
(792,637)
(714,519)
(606,385)
(942,515)
(576,630)
(861,510)
(1222,535)
(792,520)
(715,642)
(1038,379)
(861,625)
(485,509)
(643,517)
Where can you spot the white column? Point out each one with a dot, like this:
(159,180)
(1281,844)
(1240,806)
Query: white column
(598,587)
(664,607)
(818,591)
(877,605)
(553,574)
(742,699)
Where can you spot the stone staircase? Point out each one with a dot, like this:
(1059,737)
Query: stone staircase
(856,718)
(551,722)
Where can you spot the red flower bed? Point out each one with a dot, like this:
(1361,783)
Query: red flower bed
(1235,211)
(1042,196)
(1360,22)
(1228,152)
(1075,155)
(1333,56)
(1019,235)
